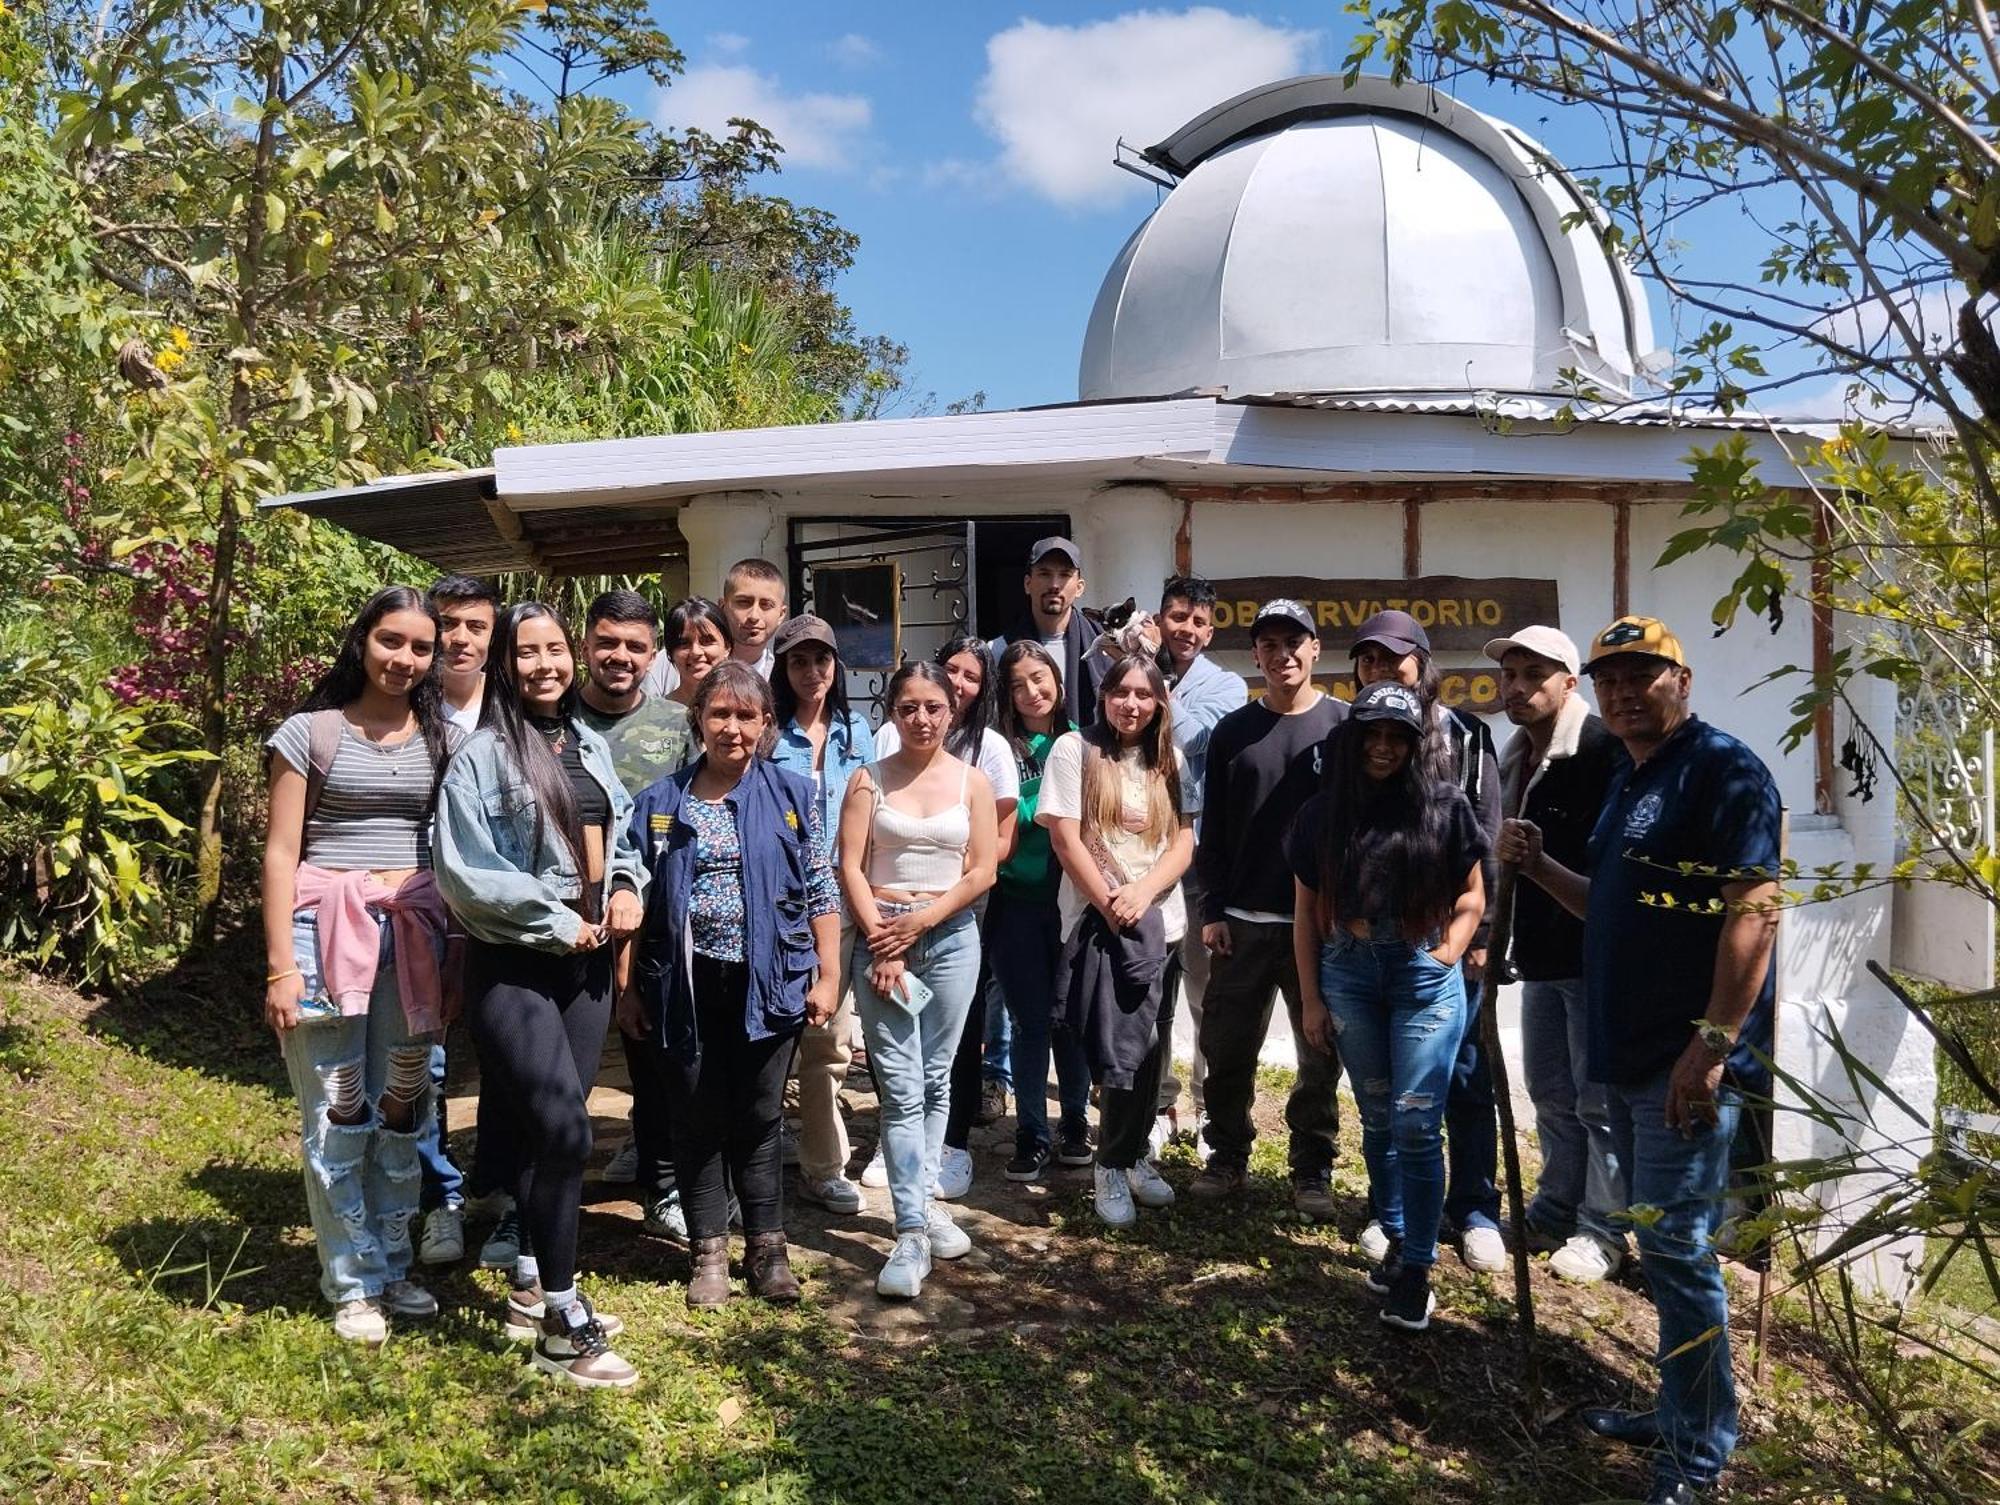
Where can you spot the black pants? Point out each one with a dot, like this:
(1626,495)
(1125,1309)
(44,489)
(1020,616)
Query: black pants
(538,1021)
(1235,1017)
(967,1077)
(1125,1114)
(652,1120)
(727,1107)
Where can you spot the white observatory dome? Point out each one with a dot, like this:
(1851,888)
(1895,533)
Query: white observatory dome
(1381,238)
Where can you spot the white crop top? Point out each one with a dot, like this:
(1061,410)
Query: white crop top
(919,854)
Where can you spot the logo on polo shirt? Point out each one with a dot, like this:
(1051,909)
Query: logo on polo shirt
(1644,816)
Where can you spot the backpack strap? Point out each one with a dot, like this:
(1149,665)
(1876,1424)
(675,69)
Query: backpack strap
(324,729)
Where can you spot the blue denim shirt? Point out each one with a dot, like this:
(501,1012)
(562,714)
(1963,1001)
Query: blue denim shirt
(774,821)
(501,890)
(849,745)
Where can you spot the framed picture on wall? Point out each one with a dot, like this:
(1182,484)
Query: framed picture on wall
(863,603)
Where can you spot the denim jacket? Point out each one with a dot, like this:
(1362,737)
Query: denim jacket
(773,815)
(849,745)
(500,890)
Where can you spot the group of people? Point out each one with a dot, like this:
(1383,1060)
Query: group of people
(1051,842)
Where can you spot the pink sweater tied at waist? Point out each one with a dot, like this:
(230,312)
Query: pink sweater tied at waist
(350,943)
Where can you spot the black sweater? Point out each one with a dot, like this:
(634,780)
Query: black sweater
(1564,801)
(1262,767)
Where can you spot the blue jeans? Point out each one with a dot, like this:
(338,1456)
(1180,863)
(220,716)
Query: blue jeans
(911,1055)
(353,1076)
(1398,1014)
(1582,1185)
(1472,1127)
(1685,1177)
(1024,946)
(444,1183)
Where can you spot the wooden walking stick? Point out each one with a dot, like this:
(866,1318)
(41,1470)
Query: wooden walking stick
(1497,944)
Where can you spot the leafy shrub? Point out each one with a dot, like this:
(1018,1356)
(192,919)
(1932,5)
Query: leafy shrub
(94,797)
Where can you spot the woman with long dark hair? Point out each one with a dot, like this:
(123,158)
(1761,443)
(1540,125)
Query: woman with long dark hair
(695,637)
(822,739)
(1024,927)
(353,942)
(535,857)
(1119,808)
(916,850)
(739,953)
(1387,895)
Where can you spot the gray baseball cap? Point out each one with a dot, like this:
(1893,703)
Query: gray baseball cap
(1055,545)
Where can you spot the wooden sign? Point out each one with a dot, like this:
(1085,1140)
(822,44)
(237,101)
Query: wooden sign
(1459,613)
(1476,687)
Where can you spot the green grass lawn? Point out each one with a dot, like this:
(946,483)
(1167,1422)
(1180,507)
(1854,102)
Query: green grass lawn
(165,1341)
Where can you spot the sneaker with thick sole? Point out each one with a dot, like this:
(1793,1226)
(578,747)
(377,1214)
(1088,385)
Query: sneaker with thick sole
(622,1168)
(503,1244)
(664,1219)
(992,1104)
(948,1240)
(580,1352)
(1482,1249)
(1220,1178)
(836,1194)
(405,1298)
(525,1310)
(908,1265)
(1373,1243)
(1114,1197)
(954,1177)
(1313,1198)
(1382,1275)
(1149,1187)
(1584,1261)
(360,1321)
(1031,1164)
(876,1172)
(1410,1302)
(1073,1147)
(443,1242)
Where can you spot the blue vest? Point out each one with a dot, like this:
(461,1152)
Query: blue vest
(773,823)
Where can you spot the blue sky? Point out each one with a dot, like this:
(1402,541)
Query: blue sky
(969,147)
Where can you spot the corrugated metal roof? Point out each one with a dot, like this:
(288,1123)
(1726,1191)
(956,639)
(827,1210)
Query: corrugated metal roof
(1537,407)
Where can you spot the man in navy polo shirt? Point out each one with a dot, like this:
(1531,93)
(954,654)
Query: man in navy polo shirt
(1678,977)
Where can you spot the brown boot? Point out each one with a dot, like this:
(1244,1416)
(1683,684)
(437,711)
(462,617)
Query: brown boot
(709,1258)
(768,1267)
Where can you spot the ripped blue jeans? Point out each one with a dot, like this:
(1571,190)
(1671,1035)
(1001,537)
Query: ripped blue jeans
(1398,1014)
(365,1096)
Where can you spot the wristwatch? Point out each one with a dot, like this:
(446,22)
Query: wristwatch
(1716,1040)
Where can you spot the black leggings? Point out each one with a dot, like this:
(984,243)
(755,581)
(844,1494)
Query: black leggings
(727,1107)
(652,1133)
(539,1022)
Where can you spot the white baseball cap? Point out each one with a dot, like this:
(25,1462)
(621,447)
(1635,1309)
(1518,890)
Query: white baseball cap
(1550,643)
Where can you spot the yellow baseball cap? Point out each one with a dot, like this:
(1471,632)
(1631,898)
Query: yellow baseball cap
(1644,635)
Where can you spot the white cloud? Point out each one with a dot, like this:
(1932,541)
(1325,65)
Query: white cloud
(728,43)
(1057,98)
(854,51)
(816,130)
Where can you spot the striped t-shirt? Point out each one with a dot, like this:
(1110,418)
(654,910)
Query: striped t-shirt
(374,809)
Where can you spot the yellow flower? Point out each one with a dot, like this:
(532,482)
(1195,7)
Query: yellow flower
(180,339)
(169,359)
(514,433)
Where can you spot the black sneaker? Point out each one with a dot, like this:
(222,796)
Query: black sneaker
(1073,1147)
(505,1244)
(1410,1302)
(1382,1279)
(1030,1164)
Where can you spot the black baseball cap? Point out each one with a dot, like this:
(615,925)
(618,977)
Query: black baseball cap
(1283,609)
(1387,700)
(1055,545)
(1396,630)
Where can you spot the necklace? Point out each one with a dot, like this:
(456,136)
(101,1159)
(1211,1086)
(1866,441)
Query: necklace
(554,731)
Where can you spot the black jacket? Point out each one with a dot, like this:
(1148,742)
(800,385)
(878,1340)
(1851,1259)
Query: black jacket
(1564,798)
(1108,994)
(1476,770)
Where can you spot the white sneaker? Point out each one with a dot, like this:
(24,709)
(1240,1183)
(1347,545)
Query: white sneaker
(665,1219)
(622,1168)
(909,1262)
(948,1240)
(836,1194)
(1149,1188)
(1161,1136)
(1584,1260)
(1373,1243)
(954,1178)
(1114,1197)
(876,1172)
(444,1236)
(1482,1249)
(360,1321)
(405,1298)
